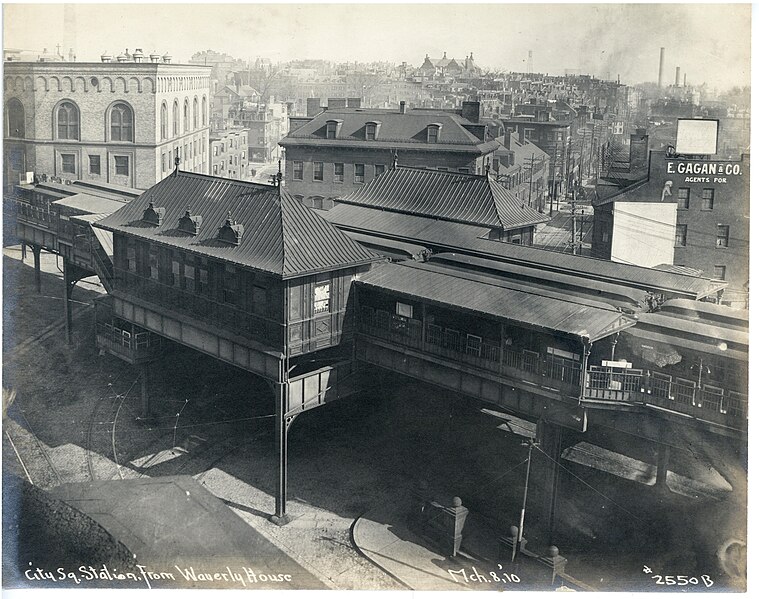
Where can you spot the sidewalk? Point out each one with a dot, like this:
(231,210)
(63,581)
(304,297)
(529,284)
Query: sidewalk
(382,535)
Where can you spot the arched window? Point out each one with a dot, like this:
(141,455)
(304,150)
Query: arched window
(68,121)
(175,118)
(186,121)
(164,121)
(205,111)
(195,113)
(122,123)
(16,120)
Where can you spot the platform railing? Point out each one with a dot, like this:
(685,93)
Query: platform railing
(674,393)
(466,347)
(131,343)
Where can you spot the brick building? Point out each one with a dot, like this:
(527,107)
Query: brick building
(711,228)
(119,121)
(229,153)
(342,148)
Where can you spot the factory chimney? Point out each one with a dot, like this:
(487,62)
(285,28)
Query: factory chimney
(661,66)
(685,79)
(677,77)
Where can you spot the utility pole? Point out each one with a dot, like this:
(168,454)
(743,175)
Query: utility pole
(532,444)
(582,226)
(532,165)
(574,223)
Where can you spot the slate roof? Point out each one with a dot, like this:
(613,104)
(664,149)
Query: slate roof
(531,308)
(457,197)
(281,236)
(395,130)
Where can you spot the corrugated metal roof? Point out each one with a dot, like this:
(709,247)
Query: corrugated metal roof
(703,347)
(408,226)
(412,280)
(609,293)
(471,199)
(710,332)
(281,236)
(106,240)
(389,247)
(469,239)
(90,204)
(717,313)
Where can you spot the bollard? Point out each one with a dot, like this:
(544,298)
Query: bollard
(554,562)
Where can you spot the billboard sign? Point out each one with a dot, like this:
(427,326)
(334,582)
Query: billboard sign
(696,136)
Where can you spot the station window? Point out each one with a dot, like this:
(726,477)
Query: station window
(230,284)
(405,310)
(175,272)
(189,277)
(153,259)
(359,173)
(259,300)
(321,298)
(131,256)
(318,171)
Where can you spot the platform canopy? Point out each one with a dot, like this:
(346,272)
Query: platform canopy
(523,308)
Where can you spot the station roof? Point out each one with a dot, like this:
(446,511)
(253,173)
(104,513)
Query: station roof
(618,296)
(707,312)
(89,204)
(461,238)
(389,247)
(280,236)
(530,309)
(394,224)
(458,197)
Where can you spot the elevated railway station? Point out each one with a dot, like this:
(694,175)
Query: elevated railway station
(312,301)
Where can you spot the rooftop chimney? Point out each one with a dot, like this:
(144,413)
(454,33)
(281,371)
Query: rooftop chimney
(403,107)
(471,111)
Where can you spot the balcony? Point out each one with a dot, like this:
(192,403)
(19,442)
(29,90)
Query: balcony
(38,216)
(706,402)
(130,343)
(541,369)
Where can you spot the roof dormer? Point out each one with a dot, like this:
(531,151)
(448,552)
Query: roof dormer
(433,132)
(153,216)
(333,128)
(371,129)
(190,223)
(230,232)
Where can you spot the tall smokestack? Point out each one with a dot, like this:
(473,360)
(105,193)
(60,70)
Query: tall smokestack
(661,66)
(677,77)
(685,79)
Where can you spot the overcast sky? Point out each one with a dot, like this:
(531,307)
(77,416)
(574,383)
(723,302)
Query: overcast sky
(711,43)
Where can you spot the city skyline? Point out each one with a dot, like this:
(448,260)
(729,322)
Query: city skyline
(710,43)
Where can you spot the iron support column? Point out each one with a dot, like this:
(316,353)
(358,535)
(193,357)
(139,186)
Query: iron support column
(662,458)
(144,390)
(68,285)
(36,251)
(280,516)
(544,486)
